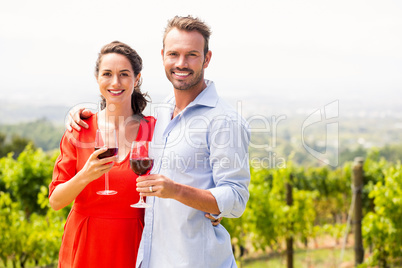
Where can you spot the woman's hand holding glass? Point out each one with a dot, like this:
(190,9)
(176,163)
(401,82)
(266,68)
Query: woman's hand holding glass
(94,168)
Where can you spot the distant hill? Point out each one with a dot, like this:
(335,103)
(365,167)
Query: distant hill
(277,130)
(12,113)
(42,132)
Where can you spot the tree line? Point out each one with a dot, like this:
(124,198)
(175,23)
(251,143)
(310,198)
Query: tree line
(46,135)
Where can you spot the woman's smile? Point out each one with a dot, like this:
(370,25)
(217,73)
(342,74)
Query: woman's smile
(116,92)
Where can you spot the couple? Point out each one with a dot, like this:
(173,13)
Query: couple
(201,165)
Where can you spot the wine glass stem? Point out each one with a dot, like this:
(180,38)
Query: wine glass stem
(107,181)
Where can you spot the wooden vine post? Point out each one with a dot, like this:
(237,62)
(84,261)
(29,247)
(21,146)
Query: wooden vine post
(289,239)
(358,213)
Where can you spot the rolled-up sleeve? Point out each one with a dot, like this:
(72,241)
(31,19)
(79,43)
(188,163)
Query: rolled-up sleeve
(229,140)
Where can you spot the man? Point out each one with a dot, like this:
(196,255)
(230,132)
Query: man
(200,151)
(200,147)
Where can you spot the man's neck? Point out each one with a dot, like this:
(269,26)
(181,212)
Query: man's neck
(185,97)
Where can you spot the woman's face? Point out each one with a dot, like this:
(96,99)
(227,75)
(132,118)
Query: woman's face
(116,79)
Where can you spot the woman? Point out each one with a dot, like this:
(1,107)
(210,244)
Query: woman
(104,231)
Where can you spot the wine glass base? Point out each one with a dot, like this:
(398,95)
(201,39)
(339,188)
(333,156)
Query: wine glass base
(106,192)
(140,205)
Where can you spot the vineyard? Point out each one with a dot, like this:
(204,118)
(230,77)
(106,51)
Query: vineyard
(288,206)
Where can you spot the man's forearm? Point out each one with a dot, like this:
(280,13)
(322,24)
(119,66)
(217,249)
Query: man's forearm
(197,198)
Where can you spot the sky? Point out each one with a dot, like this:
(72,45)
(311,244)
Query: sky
(267,51)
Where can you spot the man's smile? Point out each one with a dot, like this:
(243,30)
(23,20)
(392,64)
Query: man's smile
(181,74)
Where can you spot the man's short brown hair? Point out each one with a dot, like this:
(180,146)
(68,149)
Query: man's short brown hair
(189,24)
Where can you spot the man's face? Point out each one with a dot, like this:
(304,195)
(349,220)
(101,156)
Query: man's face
(183,59)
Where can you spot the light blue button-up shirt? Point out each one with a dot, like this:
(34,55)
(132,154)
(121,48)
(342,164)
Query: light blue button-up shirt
(205,146)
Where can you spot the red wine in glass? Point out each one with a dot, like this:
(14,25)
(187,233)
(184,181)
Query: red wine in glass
(110,152)
(141,164)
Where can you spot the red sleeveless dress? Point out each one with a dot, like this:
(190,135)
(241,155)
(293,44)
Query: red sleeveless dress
(101,231)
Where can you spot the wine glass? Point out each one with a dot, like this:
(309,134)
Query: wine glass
(141,164)
(106,137)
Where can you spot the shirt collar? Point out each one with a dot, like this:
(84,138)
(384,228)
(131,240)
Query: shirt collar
(208,97)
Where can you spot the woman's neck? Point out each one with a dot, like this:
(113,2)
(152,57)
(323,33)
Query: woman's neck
(114,115)
(125,124)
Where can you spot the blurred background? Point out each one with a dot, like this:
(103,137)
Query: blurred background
(279,63)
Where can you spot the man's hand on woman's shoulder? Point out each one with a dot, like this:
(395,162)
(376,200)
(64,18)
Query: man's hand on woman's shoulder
(75,119)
